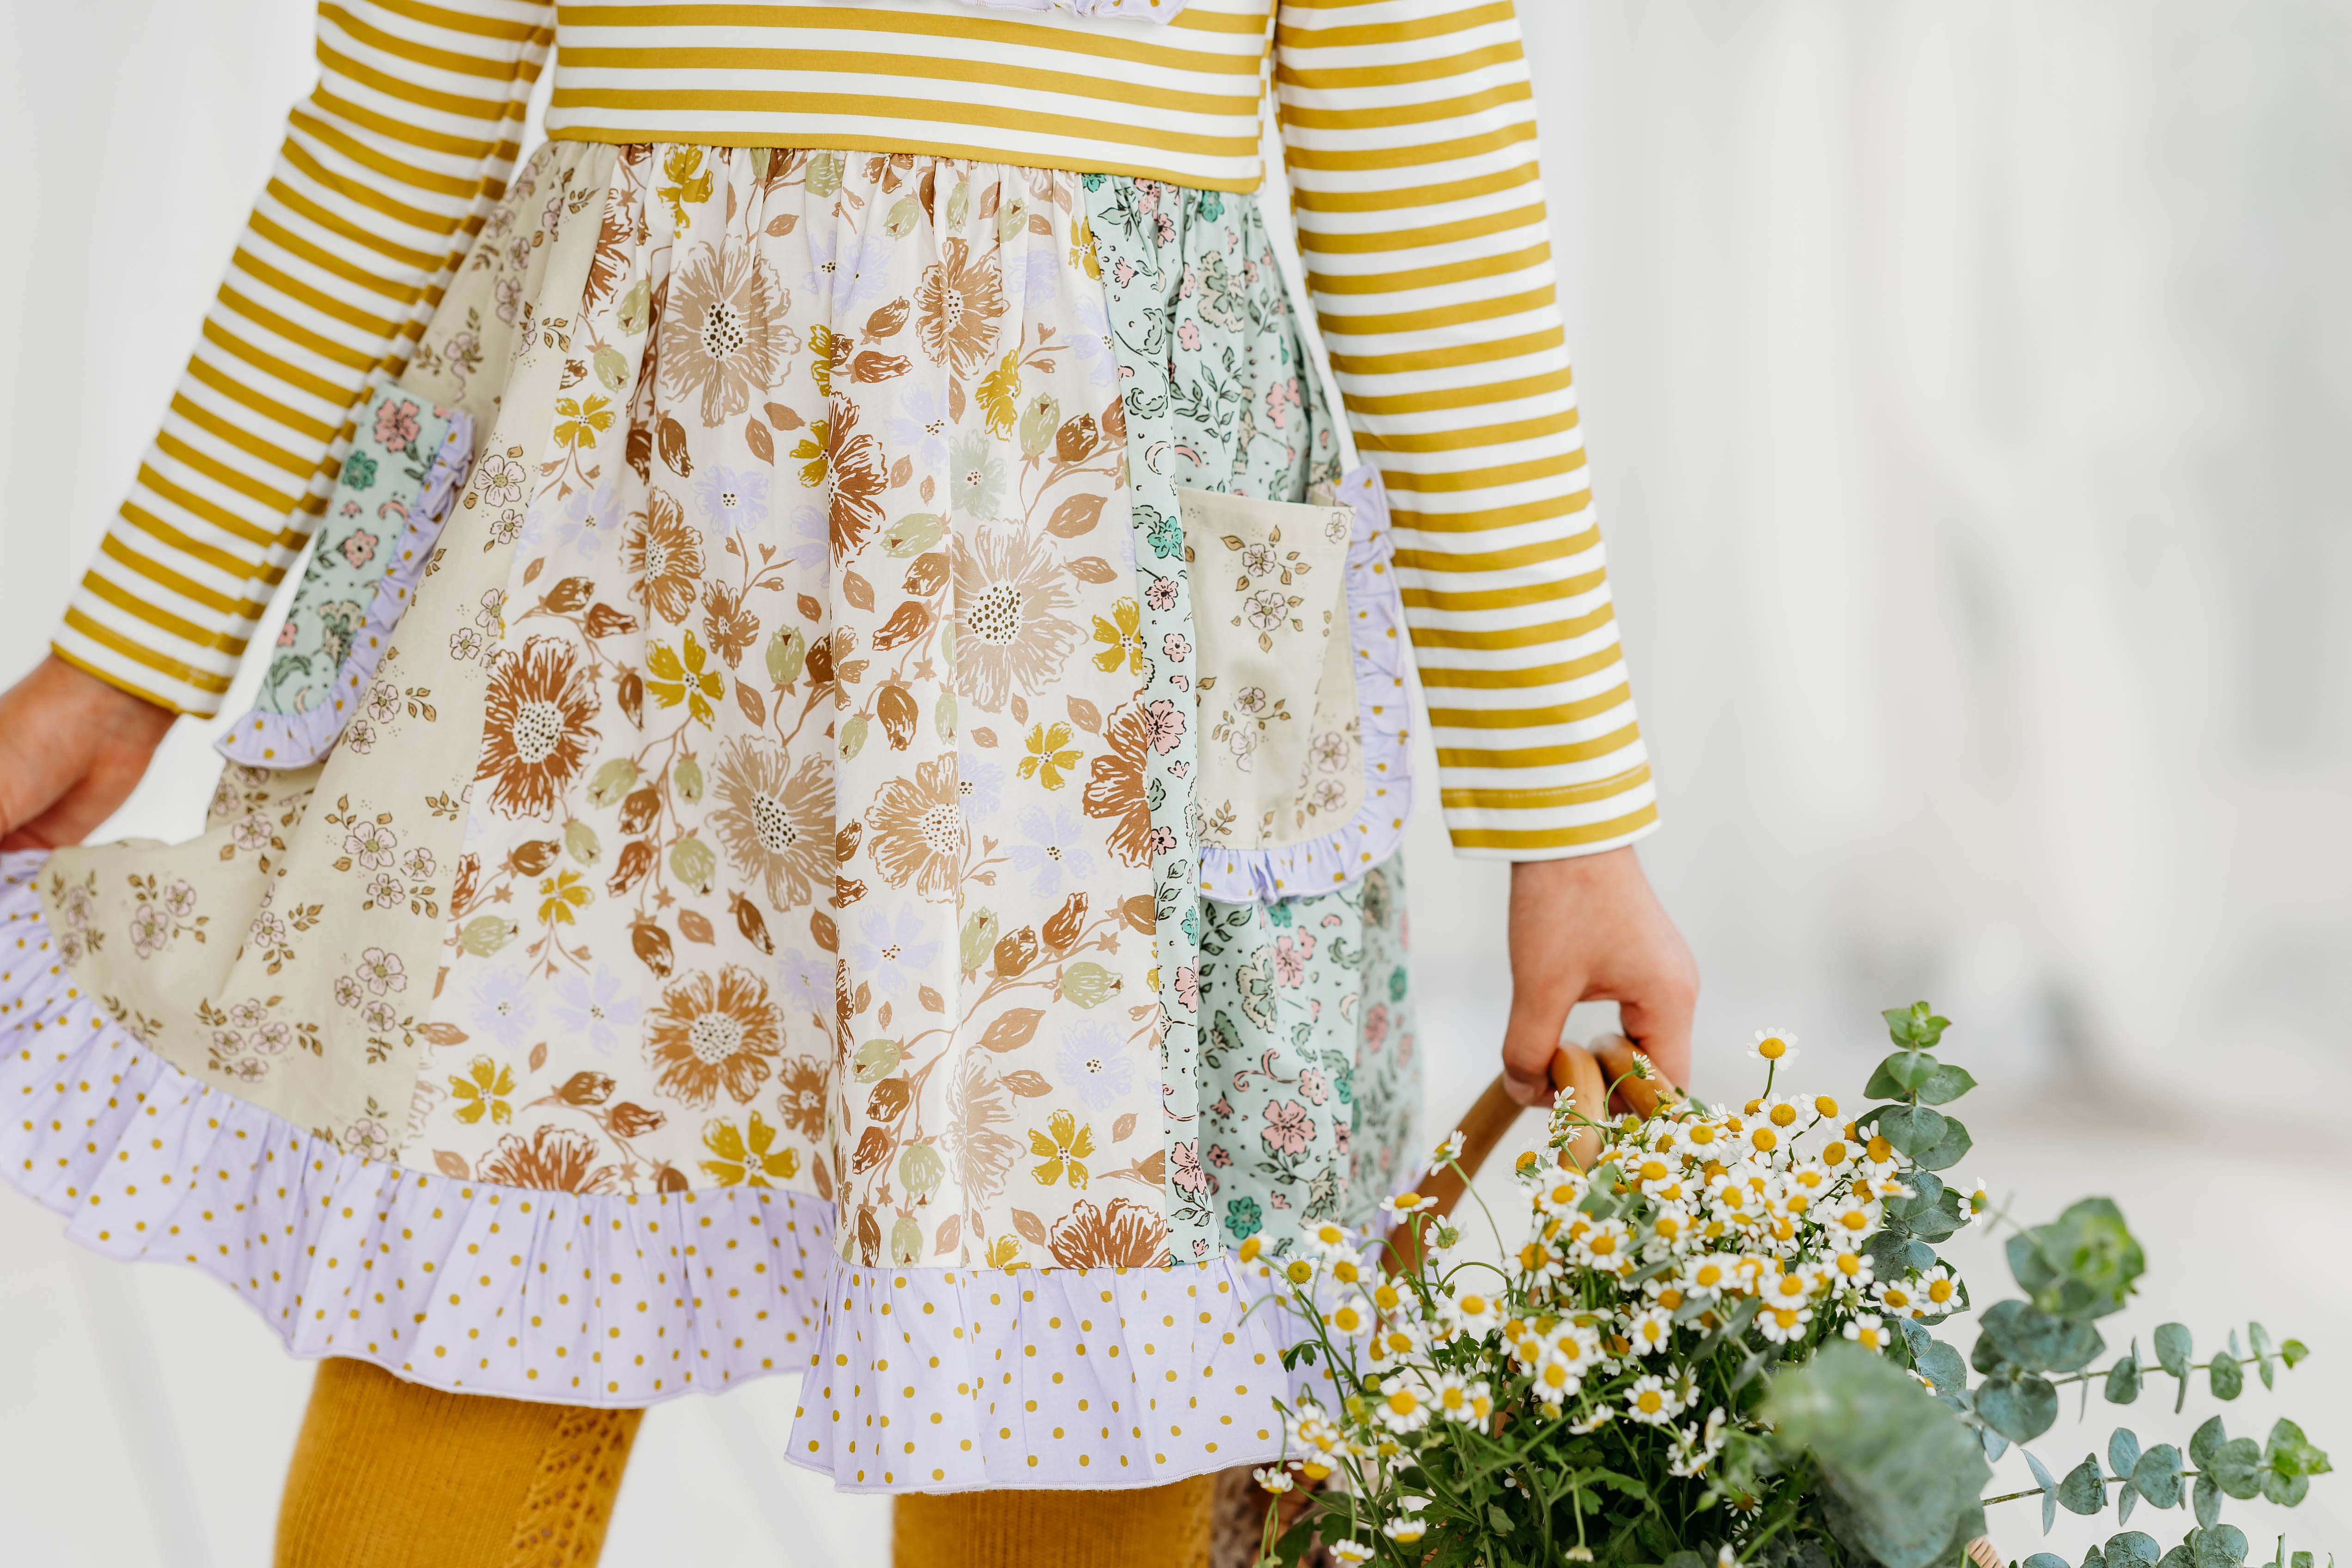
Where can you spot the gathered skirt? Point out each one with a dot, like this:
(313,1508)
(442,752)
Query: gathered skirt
(780,878)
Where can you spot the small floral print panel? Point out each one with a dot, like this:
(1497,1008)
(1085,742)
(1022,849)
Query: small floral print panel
(1276,679)
(407,457)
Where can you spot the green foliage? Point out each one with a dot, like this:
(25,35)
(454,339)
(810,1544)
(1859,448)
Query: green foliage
(2081,1265)
(1902,1475)
(2036,1341)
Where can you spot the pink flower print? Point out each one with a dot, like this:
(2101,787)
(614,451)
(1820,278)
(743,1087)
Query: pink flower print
(1330,921)
(286,632)
(1187,337)
(1175,649)
(1188,987)
(1163,726)
(1290,955)
(1288,1128)
(357,548)
(1281,397)
(1376,1026)
(1163,842)
(1162,594)
(1218,1157)
(1165,225)
(349,508)
(1147,197)
(1312,1086)
(1187,1174)
(1278,1200)
(1192,281)
(1223,1107)
(1124,272)
(1340,1139)
(395,427)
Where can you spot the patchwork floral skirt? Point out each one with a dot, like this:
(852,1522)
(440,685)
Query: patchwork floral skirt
(765,874)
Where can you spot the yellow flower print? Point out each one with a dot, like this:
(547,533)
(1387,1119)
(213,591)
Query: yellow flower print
(558,895)
(1082,249)
(999,394)
(484,1091)
(686,680)
(1051,755)
(688,182)
(1005,1253)
(1067,1145)
(821,341)
(812,453)
(746,1161)
(582,423)
(1122,638)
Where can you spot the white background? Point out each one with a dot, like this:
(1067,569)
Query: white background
(1970,392)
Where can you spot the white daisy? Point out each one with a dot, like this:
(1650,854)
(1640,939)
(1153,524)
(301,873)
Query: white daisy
(1775,1047)
(1871,1333)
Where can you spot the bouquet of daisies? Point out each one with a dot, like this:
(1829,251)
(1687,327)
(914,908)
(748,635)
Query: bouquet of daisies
(1716,1345)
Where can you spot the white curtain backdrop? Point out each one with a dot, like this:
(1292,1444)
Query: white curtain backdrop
(1970,397)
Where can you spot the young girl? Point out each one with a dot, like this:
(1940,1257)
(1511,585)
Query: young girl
(827,801)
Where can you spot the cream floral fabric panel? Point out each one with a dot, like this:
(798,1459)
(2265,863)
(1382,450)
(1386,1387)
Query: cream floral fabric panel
(1277,681)
(291,949)
(810,846)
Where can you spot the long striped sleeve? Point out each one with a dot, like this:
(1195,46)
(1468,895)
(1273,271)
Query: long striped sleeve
(386,172)
(1409,131)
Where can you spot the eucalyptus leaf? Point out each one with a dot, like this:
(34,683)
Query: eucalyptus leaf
(2020,1408)
(2227,1378)
(2132,1549)
(2037,1341)
(1900,1075)
(2084,1489)
(2046,1560)
(1902,1476)
(2236,1468)
(2081,1265)
(1940,1222)
(1941,1365)
(1925,1190)
(2094,1558)
(2177,1557)
(2260,1339)
(2293,1350)
(2123,1379)
(2207,1441)
(2206,1498)
(2156,1477)
(1946,1084)
(1915,1026)
(2174,1348)
(2289,1461)
(1950,1149)
(1912,1129)
(2217,1546)
(2123,1450)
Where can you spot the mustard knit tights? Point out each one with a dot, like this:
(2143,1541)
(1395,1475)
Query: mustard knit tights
(390,1475)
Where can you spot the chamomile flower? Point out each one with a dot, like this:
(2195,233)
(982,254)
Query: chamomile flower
(1575,1347)
(1447,1151)
(1594,1422)
(1852,1268)
(1725,1557)
(1408,1526)
(1671,1225)
(1272,1479)
(1774,1048)
(1792,1288)
(1406,1204)
(1871,1333)
(1458,1399)
(1652,1402)
(1938,1292)
(1711,1274)
(1605,1245)
(1403,1405)
(1848,1220)
(1331,1239)
(1652,1332)
(1556,1381)
(1646,1169)
(1782,1324)
(1475,1312)
(1979,1202)
(1348,1321)
(1561,1192)
(1898,1296)
(1539,1265)
(1349,1552)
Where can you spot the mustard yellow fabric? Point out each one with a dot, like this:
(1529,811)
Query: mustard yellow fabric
(389,1474)
(1150,1527)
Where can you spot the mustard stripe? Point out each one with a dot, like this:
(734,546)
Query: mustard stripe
(1439,400)
(1447,358)
(221,473)
(1307,198)
(1374,34)
(105,588)
(1504,598)
(1460,481)
(1344,284)
(498,68)
(324,347)
(1541,756)
(114,549)
(1512,560)
(449,21)
(1459,440)
(407,92)
(288,287)
(978,29)
(195,505)
(237,392)
(867,106)
(121,683)
(295,201)
(1511,637)
(228,564)
(1431,317)
(1552,799)
(1389,116)
(302,158)
(245,441)
(470,148)
(116,643)
(402,294)
(1334,160)
(391,168)
(1492,517)
(1528,717)
(1545,838)
(1068,158)
(738,64)
(1320,243)
(269,364)
(1408,73)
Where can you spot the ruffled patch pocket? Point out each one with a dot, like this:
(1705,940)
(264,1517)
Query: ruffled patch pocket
(408,458)
(1301,697)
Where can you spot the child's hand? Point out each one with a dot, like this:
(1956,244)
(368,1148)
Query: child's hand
(1589,928)
(72,749)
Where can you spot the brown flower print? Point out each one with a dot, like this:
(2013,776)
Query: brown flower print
(800,1098)
(663,554)
(731,628)
(774,825)
(1123,1234)
(713,1033)
(1012,599)
(853,459)
(918,830)
(959,302)
(723,333)
(537,727)
(1115,789)
(979,1154)
(552,1159)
